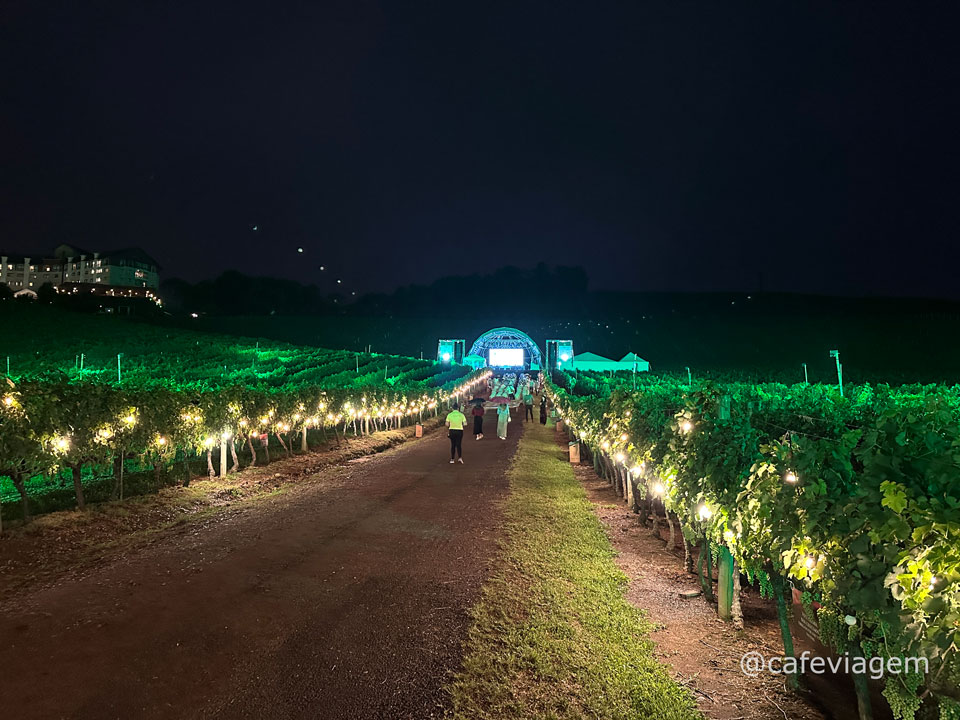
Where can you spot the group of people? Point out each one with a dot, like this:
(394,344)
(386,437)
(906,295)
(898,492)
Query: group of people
(456,421)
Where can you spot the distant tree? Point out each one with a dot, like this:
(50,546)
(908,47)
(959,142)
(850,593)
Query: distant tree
(47,294)
(5,292)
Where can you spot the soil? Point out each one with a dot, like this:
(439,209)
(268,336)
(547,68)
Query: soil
(347,595)
(703,651)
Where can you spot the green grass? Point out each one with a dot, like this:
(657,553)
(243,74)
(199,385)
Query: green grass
(553,635)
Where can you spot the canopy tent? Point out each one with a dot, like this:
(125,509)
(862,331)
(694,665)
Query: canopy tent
(634,359)
(598,363)
(475,361)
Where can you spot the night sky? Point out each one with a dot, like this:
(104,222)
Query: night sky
(793,146)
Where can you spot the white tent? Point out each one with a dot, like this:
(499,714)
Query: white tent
(632,359)
(598,363)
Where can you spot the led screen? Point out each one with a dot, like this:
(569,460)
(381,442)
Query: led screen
(506,357)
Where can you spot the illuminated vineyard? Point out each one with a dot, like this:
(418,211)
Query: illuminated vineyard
(148,399)
(853,500)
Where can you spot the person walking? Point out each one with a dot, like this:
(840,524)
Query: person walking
(477,413)
(503,417)
(527,404)
(543,409)
(455,422)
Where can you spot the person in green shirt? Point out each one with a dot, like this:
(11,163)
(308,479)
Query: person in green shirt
(528,404)
(455,422)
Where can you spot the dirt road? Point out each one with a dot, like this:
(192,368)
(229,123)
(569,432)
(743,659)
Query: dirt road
(345,598)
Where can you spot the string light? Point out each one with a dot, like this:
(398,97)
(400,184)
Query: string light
(790,477)
(704,512)
(658,488)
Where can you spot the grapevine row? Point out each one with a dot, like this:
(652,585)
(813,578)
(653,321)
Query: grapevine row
(854,500)
(52,425)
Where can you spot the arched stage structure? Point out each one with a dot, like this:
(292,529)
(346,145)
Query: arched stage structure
(506,338)
(507,349)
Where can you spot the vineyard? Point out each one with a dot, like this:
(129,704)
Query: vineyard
(853,500)
(90,399)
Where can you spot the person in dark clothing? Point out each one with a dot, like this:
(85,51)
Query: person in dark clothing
(543,410)
(477,413)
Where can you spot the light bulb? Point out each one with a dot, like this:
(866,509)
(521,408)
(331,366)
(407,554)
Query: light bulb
(704,512)
(790,477)
(658,488)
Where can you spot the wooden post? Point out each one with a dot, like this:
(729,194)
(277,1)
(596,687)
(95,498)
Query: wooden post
(725,584)
(864,708)
(705,568)
(223,456)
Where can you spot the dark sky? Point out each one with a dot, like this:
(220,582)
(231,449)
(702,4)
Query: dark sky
(667,145)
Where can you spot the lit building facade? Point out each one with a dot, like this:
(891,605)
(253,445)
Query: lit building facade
(130,267)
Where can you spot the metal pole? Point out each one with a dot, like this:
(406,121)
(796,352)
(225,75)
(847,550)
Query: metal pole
(118,367)
(81,363)
(806,380)
(689,377)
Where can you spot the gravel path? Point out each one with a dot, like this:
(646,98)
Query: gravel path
(346,598)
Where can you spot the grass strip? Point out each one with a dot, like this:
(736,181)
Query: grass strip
(553,635)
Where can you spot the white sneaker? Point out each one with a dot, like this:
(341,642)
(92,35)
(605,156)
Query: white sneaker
(451,462)
(460,460)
